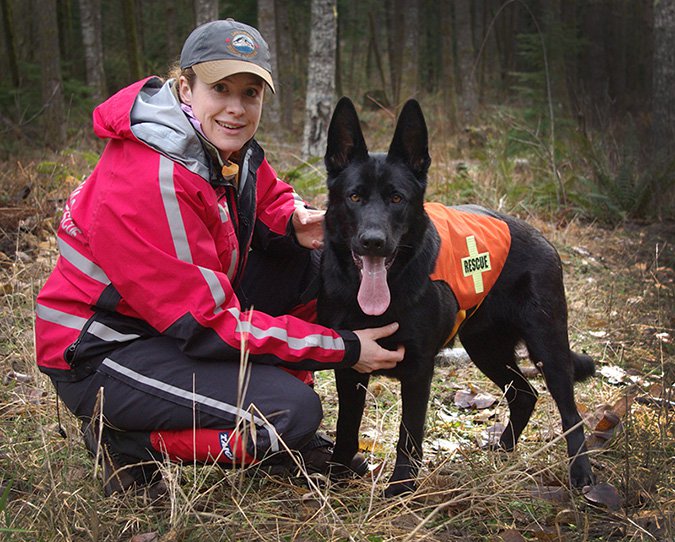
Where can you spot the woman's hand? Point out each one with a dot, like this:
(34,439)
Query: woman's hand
(308,225)
(373,356)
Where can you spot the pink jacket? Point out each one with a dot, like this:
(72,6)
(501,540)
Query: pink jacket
(151,234)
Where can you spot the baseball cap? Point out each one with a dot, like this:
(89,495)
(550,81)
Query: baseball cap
(222,48)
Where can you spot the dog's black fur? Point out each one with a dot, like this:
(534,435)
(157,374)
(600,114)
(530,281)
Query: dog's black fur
(375,207)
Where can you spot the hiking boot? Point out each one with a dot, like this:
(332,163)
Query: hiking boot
(121,473)
(318,452)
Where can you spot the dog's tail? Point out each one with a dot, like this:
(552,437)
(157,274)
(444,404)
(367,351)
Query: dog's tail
(584,366)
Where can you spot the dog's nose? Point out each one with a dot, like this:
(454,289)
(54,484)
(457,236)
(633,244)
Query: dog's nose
(372,240)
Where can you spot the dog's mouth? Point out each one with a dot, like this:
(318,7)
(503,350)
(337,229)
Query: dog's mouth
(373,296)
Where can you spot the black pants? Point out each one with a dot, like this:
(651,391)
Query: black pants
(150,385)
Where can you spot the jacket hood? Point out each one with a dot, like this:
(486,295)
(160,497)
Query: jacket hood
(149,111)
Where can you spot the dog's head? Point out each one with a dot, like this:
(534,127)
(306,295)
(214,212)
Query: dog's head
(375,201)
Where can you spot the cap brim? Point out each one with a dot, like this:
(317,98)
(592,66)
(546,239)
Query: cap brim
(215,70)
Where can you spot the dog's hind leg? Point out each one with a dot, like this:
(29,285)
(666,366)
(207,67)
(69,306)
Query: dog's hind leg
(492,352)
(549,349)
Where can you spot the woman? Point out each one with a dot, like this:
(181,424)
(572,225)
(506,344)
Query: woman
(179,309)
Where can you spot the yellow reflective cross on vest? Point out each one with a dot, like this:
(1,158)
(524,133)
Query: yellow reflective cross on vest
(475,264)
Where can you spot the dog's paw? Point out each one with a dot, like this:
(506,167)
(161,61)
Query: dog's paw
(358,467)
(581,474)
(400,488)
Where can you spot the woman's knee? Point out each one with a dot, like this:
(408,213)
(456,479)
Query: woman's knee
(303,417)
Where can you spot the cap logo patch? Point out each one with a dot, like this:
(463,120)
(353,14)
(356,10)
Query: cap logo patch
(242,44)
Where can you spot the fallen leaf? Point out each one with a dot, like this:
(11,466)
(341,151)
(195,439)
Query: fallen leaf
(463,398)
(664,337)
(444,445)
(145,537)
(370,445)
(310,499)
(554,494)
(604,494)
(546,534)
(484,400)
(473,399)
(490,437)
(19,377)
(510,535)
(376,389)
(452,357)
(484,416)
(613,374)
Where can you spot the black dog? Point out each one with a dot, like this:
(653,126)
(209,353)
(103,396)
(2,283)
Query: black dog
(382,261)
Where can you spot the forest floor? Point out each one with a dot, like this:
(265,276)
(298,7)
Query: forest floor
(620,291)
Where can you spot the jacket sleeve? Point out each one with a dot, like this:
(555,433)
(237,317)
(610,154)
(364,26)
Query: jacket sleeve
(275,203)
(154,240)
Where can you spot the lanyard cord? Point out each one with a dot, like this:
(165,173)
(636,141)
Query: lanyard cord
(61,430)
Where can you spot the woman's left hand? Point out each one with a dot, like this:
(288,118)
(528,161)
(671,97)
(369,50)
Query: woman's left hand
(308,225)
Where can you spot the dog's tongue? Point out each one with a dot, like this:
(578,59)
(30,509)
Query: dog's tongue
(373,294)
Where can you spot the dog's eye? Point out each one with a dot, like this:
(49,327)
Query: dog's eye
(355,197)
(396,198)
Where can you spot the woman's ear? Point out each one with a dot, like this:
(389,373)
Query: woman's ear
(184,90)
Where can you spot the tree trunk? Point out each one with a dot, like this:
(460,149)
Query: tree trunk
(172,46)
(205,11)
(320,77)
(448,84)
(663,103)
(396,29)
(52,85)
(411,46)
(285,64)
(465,61)
(8,25)
(267,25)
(90,14)
(133,43)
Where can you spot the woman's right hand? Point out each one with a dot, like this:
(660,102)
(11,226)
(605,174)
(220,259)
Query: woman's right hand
(373,356)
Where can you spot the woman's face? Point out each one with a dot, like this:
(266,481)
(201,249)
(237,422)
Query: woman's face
(228,110)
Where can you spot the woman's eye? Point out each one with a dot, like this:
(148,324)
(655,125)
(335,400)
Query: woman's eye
(219,87)
(252,92)
(396,198)
(355,198)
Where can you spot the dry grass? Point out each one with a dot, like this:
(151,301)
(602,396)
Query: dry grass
(620,290)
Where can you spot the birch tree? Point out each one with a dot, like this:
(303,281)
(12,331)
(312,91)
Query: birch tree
(205,11)
(663,104)
(320,76)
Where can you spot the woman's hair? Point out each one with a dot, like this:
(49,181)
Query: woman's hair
(176,71)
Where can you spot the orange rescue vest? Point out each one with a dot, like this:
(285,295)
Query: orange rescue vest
(473,250)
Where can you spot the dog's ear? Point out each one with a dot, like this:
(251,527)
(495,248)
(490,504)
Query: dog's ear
(345,138)
(410,143)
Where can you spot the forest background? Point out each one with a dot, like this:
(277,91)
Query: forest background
(591,80)
(559,111)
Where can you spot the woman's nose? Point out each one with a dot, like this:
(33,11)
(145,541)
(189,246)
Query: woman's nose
(234,106)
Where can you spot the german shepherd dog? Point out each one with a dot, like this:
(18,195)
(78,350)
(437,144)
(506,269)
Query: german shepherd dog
(379,266)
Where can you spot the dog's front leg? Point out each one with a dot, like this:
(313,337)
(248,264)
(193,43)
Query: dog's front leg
(415,397)
(351,388)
